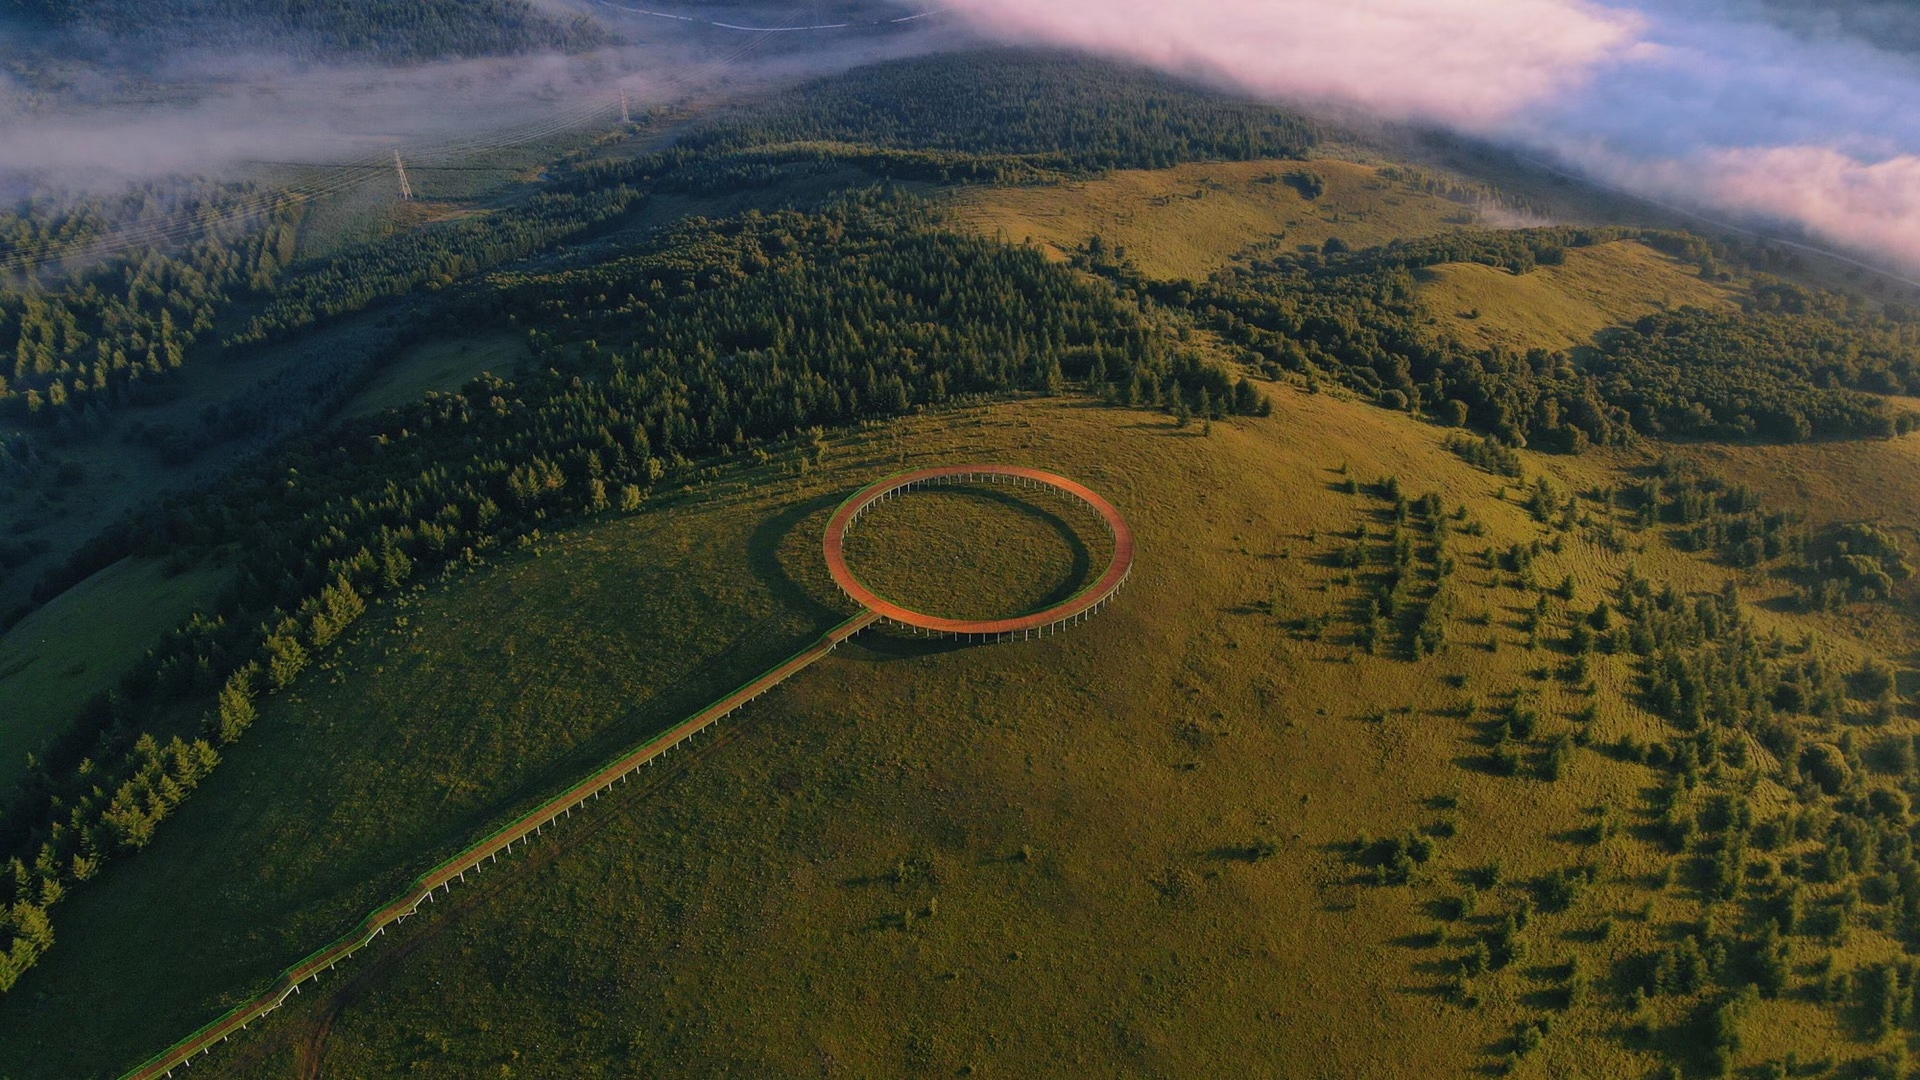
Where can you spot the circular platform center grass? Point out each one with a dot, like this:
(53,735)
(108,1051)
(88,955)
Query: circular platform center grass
(984,551)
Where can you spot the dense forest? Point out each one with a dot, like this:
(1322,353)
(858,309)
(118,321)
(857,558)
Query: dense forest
(1793,365)
(113,332)
(1080,116)
(44,228)
(390,29)
(432,259)
(1068,110)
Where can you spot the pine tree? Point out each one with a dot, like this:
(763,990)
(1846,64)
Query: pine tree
(286,658)
(234,711)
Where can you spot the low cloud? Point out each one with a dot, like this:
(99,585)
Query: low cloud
(98,126)
(1465,62)
(1867,206)
(263,107)
(1708,104)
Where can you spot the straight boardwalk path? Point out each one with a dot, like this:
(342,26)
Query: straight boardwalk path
(874,609)
(486,851)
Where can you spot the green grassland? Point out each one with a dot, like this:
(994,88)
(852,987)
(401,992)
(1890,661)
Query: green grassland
(980,552)
(1557,307)
(1185,221)
(509,695)
(77,646)
(1127,849)
(1232,825)
(443,365)
(1826,483)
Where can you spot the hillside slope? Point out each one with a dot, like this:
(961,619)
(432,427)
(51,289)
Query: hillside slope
(1137,847)
(1583,764)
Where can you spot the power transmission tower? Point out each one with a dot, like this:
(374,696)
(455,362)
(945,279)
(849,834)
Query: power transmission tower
(406,189)
(625,117)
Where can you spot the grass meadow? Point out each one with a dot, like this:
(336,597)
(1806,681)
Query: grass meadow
(1129,849)
(1189,220)
(443,365)
(1563,306)
(978,551)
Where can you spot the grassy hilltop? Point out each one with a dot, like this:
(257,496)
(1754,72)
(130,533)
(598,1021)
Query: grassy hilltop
(1513,677)
(1132,847)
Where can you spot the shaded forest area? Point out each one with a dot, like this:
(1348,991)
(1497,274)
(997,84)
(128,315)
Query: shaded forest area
(1068,111)
(111,335)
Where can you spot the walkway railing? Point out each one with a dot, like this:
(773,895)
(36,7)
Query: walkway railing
(521,830)
(1076,608)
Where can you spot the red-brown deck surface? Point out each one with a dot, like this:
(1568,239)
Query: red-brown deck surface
(1073,607)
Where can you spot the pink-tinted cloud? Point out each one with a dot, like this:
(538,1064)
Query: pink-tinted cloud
(1714,105)
(1868,206)
(1465,62)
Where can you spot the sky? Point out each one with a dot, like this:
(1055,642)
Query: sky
(1708,104)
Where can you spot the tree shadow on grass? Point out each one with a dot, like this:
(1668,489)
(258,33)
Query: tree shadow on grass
(1439,991)
(763,558)
(1079,576)
(1419,940)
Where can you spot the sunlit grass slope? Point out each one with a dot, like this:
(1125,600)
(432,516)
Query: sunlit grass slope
(1187,221)
(460,703)
(1124,850)
(1557,307)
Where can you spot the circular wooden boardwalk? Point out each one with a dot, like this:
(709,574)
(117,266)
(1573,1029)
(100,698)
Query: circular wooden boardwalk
(524,829)
(1033,624)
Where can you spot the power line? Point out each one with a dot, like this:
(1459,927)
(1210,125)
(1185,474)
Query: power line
(406,189)
(342,176)
(414,167)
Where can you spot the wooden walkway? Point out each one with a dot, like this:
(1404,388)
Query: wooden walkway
(484,853)
(525,828)
(1076,608)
